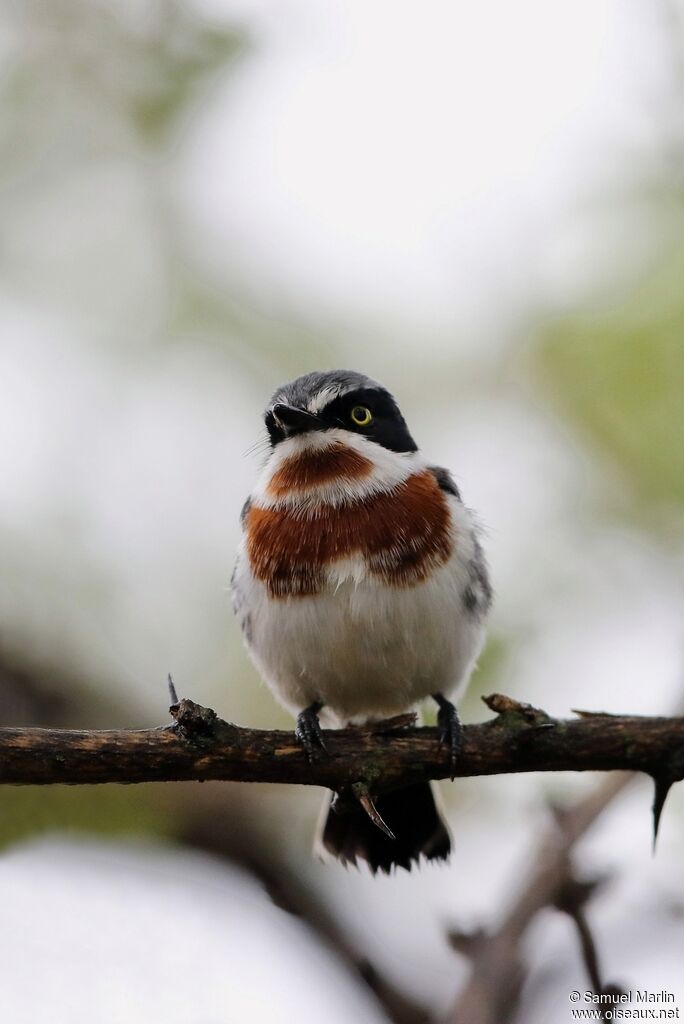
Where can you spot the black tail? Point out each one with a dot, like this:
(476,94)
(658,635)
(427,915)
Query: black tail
(412,815)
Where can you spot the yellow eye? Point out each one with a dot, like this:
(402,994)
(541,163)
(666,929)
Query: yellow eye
(361,416)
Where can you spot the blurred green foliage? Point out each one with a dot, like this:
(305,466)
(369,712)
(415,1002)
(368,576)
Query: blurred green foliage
(96,810)
(618,373)
(177,71)
(143,68)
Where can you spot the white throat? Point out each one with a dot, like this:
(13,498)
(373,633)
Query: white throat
(388,470)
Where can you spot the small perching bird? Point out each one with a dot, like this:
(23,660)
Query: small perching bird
(361,589)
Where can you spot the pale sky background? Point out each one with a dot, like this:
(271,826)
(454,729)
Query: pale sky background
(448,184)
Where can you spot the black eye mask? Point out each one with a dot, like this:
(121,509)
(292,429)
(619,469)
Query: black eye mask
(386,426)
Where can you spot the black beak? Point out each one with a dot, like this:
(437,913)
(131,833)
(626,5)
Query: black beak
(295,421)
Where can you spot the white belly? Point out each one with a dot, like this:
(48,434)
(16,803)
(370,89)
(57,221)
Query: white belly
(360,647)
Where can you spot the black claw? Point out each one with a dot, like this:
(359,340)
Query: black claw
(450,729)
(309,732)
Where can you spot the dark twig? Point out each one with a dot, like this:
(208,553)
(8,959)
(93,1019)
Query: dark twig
(572,900)
(491,993)
(199,745)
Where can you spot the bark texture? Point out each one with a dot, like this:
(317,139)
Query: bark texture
(199,745)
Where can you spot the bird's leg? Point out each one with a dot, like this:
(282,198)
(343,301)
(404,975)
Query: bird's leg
(308,731)
(450,728)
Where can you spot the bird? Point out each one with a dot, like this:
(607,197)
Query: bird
(361,589)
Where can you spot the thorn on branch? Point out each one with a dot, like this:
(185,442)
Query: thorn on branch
(663,784)
(360,791)
(173,696)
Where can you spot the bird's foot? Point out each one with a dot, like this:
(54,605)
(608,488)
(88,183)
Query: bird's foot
(309,732)
(450,729)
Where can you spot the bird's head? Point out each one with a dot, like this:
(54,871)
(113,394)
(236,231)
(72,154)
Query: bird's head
(337,403)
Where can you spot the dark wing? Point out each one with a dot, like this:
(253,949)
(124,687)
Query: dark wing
(243,616)
(478,594)
(245,509)
(445,480)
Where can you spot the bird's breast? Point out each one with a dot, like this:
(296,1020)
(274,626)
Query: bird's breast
(399,534)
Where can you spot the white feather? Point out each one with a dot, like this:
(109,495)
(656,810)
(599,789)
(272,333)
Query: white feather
(390,469)
(363,648)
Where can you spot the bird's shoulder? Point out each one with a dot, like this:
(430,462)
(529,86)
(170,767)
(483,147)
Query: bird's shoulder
(445,480)
(478,594)
(244,511)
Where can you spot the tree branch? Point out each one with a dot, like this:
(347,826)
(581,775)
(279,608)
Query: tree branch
(385,755)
